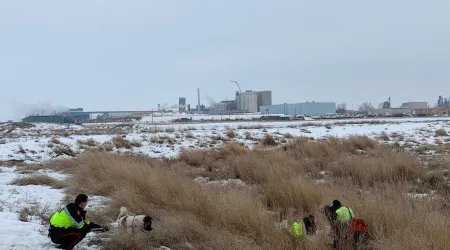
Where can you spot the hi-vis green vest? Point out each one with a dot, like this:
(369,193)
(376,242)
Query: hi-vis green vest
(62,218)
(344,214)
(296,229)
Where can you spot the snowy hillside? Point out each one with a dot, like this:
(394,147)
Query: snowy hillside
(42,142)
(38,143)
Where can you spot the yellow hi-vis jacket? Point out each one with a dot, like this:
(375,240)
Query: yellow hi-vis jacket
(297,229)
(344,214)
(63,219)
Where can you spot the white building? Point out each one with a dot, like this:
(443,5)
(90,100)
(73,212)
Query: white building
(392,111)
(415,105)
(250,101)
(247,101)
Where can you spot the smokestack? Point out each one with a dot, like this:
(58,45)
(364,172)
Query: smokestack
(198,95)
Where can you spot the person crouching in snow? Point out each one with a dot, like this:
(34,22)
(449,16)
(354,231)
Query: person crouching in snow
(69,225)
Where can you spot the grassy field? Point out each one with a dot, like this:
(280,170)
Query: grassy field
(404,196)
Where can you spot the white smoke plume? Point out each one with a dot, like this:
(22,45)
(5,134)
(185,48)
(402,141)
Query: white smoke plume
(210,100)
(44,108)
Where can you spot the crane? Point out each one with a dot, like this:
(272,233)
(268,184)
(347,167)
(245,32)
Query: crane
(237,85)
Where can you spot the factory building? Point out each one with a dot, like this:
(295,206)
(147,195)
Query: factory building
(251,101)
(264,98)
(308,108)
(407,109)
(432,111)
(182,104)
(402,111)
(48,119)
(415,105)
(247,101)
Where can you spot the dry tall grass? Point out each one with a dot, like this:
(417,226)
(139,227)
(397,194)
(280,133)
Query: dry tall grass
(189,212)
(39,179)
(441,132)
(371,178)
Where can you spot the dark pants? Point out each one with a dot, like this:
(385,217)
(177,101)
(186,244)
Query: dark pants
(342,236)
(66,238)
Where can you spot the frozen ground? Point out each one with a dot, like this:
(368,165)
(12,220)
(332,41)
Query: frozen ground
(168,118)
(41,142)
(30,232)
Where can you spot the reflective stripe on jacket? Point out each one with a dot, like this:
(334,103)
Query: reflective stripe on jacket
(63,218)
(344,214)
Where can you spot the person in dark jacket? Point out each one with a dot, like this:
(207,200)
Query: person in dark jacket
(69,225)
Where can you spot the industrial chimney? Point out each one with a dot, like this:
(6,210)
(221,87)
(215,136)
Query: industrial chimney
(198,96)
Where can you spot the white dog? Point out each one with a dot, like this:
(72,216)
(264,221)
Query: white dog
(132,223)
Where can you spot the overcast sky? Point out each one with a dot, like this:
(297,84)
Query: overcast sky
(132,55)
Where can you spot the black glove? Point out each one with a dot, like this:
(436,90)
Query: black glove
(100,229)
(86,228)
(93,225)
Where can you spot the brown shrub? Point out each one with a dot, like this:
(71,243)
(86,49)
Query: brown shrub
(384,136)
(382,165)
(21,150)
(169,130)
(89,142)
(248,136)
(107,146)
(192,157)
(297,193)
(11,163)
(441,132)
(63,150)
(288,136)
(60,165)
(55,140)
(231,133)
(360,142)
(268,140)
(26,213)
(120,142)
(39,179)
(136,143)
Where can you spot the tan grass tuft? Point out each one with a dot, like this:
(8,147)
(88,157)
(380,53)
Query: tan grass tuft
(39,179)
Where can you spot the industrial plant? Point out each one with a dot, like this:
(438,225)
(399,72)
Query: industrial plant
(413,108)
(245,102)
(248,101)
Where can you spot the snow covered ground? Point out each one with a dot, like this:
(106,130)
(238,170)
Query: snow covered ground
(168,117)
(30,232)
(42,142)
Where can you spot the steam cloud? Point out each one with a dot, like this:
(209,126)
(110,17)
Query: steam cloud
(210,100)
(44,108)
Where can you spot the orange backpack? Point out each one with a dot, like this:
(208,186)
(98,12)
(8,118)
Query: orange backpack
(358,224)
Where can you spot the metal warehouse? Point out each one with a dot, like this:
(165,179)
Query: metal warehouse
(48,119)
(308,108)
